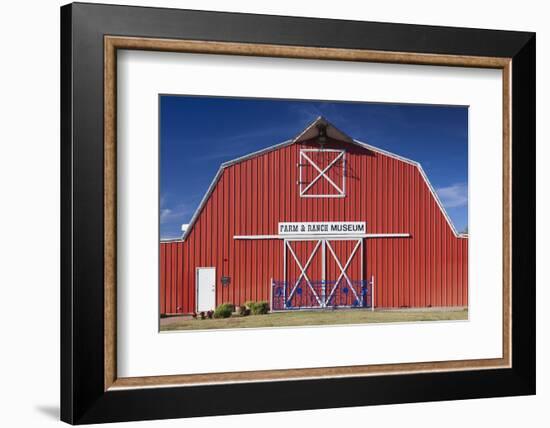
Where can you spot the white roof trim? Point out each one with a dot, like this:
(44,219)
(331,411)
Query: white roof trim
(203,202)
(385,152)
(336,134)
(218,175)
(300,137)
(426,180)
(257,153)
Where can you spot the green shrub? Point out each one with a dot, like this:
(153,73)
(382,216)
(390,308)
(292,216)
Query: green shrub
(258,308)
(261,308)
(224,310)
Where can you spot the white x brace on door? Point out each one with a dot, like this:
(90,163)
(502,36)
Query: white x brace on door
(303,272)
(343,269)
(329,165)
(321,291)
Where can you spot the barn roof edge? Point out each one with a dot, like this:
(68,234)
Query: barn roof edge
(426,180)
(304,135)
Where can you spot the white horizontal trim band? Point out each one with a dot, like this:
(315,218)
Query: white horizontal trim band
(310,236)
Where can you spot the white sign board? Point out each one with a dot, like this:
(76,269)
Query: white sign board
(323,228)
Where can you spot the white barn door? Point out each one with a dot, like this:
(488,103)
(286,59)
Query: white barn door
(206,289)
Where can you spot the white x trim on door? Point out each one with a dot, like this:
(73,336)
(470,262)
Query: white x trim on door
(303,269)
(325,243)
(343,269)
(322,173)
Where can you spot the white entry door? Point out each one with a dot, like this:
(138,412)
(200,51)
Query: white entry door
(206,289)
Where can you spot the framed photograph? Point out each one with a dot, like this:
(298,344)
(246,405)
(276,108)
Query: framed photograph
(274,213)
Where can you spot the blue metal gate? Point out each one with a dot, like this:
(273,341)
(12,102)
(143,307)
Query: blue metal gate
(293,295)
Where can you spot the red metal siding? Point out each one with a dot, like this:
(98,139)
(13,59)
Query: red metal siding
(252,196)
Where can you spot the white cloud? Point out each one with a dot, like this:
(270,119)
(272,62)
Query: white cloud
(454,196)
(175,214)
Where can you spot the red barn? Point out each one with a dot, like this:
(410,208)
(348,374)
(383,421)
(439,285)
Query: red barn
(321,220)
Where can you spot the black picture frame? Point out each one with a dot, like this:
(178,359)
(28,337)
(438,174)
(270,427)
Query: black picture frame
(83,399)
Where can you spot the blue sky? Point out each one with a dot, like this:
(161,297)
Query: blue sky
(197,134)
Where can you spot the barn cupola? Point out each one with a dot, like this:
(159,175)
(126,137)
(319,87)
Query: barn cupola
(321,131)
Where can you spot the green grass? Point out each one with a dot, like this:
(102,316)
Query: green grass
(305,318)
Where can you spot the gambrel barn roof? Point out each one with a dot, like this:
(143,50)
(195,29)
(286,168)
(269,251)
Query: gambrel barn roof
(311,132)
